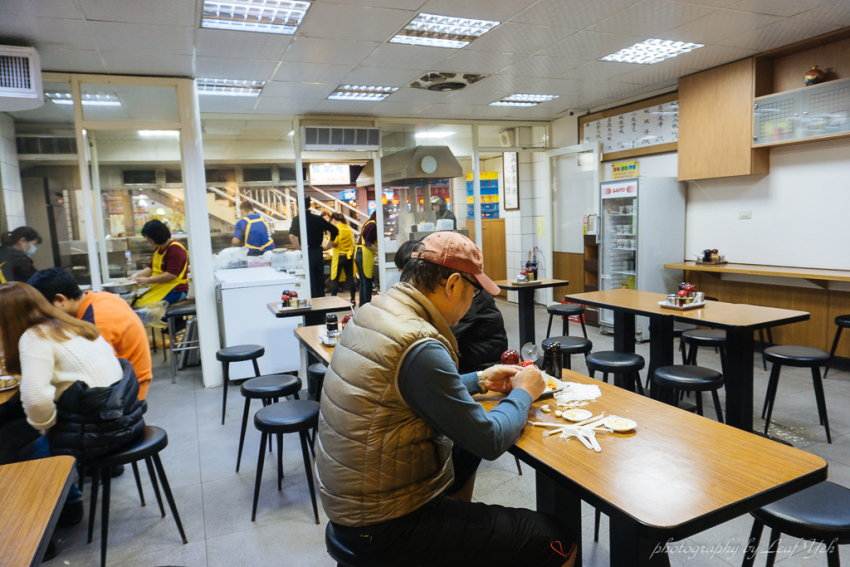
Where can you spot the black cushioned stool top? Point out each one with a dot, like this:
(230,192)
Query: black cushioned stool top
(271,386)
(800,356)
(611,361)
(287,417)
(317,370)
(843,321)
(688,378)
(710,337)
(181,309)
(820,513)
(345,556)
(565,309)
(570,345)
(151,441)
(240,352)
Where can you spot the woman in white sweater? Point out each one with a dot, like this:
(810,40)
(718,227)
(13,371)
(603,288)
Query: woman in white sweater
(50,350)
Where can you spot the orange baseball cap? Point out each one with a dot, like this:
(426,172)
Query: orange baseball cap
(457,252)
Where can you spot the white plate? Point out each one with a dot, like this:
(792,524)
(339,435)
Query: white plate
(576,414)
(620,424)
(548,392)
(12,387)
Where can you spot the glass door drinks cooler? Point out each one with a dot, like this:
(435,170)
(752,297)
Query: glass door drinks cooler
(641,228)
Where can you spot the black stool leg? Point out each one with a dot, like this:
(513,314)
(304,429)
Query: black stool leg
(260,462)
(592,372)
(138,482)
(256,368)
(279,460)
(566,361)
(309,470)
(821,400)
(763,346)
(583,328)
(95,484)
(772,548)
(549,328)
(717,407)
(168,496)
(723,360)
(772,387)
(566,319)
(226,385)
(518,466)
(638,384)
(753,544)
(832,352)
(596,517)
(244,428)
(683,351)
(152,474)
(605,377)
(832,556)
(104,519)
(699,403)
(692,355)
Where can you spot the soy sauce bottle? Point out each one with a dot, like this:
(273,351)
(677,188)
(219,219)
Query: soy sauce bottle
(553,361)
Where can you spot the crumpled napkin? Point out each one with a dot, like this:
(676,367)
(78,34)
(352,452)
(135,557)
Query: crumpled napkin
(574,392)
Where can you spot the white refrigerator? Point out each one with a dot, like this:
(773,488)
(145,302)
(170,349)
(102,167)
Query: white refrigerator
(641,228)
(243,296)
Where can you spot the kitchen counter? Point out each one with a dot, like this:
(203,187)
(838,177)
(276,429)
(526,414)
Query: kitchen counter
(817,276)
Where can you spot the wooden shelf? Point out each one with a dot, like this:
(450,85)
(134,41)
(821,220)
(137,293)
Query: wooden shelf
(814,275)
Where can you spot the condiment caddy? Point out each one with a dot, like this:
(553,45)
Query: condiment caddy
(686,299)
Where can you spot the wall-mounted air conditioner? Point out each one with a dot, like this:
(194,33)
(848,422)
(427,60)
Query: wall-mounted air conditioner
(340,139)
(519,137)
(20,79)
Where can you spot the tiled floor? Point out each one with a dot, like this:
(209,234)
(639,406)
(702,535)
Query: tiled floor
(215,502)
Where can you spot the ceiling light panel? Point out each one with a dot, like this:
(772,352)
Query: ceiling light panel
(229,87)
(432,30)
(362,93)
(266,16)
(89,99)
(525,100)
(651,51)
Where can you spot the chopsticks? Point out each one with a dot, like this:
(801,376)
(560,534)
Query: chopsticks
(560,428)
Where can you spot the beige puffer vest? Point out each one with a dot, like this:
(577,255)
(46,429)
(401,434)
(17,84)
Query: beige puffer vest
(376,459)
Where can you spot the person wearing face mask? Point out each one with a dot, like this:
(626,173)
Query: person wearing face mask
(17,247)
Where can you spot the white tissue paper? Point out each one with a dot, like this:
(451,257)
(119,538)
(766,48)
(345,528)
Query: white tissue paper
(574,392)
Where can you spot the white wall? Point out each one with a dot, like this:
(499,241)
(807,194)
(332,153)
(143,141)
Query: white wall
(10,174)
(799,211)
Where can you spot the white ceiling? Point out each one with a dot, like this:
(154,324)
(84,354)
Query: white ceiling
(541,46)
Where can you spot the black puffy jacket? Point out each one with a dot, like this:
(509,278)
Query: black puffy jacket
(481,336)
(92,422)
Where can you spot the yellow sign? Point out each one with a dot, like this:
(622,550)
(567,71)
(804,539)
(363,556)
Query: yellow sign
(484,175)
(624,169)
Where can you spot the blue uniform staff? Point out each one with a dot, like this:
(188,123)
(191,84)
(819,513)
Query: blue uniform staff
(252,231)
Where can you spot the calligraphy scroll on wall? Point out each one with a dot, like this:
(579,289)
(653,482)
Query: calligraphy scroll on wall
(651,126)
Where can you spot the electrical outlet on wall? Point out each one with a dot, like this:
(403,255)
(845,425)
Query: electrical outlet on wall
(745,215)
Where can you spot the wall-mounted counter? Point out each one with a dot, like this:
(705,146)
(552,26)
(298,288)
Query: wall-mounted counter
(823,303)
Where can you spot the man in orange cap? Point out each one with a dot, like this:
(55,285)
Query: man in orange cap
(400,437)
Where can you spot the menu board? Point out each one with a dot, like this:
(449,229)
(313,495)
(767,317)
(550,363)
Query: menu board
(651,126)
(330,174)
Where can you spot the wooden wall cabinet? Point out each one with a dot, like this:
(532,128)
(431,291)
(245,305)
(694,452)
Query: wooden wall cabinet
(716,124)
(493,247)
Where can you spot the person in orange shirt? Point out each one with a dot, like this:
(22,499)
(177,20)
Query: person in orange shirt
(115,319)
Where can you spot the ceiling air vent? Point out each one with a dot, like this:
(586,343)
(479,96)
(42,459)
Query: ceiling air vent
(341,138)
(20,79)
(445,82)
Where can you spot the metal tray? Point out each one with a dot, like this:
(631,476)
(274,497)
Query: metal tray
(711,263)
(520,284)
(686,307)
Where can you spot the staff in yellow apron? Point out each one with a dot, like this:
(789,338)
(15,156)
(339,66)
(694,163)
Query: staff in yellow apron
(253,230)
(162,282)
(343,253)
(367,247)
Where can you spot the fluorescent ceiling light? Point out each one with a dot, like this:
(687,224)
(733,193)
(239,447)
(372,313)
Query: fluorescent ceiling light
(432,30)
(229,87)
(651,51)
(89,99)
(362,93)
(523,100)
(159,133)
(434,134)
(267,16)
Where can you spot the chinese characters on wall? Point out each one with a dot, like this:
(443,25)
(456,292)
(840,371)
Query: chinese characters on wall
(649,126)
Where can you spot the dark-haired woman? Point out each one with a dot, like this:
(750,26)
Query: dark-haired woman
(17,247)
(364,258)
(343,254)
(167,274)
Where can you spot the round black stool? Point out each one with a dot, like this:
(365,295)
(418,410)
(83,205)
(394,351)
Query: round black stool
(800,357)
(566,310)
(842,322)
(569,347)
(269,388)
(688,378)
(277,419)
(179,310)
(315,380)
(343,556)
(707,338)
(147,446)
(820,513)
(626,363)
(237,353)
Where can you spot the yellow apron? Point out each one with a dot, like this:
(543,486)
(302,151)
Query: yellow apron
(2,279)
(158,291)
(248,231)
(344,245)
(368,255)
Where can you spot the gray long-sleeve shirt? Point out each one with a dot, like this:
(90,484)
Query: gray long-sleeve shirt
(430,384)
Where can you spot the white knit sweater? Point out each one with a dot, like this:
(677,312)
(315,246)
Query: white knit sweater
(48,368)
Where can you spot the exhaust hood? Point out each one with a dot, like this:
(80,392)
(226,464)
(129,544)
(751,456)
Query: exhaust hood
(422,164)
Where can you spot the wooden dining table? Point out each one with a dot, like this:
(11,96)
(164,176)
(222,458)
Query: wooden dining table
(738,320)
(32,494)
(525,301)
(315,315)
